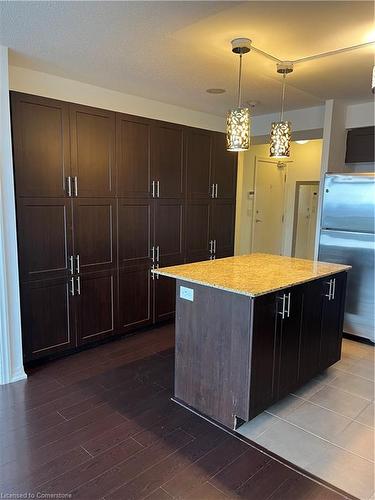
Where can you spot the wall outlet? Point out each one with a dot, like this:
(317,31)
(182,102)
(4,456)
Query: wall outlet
(186,293)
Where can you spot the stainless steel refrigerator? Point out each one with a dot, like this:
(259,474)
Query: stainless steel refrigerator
(347,237)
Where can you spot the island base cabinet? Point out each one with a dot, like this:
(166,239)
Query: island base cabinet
(296,334)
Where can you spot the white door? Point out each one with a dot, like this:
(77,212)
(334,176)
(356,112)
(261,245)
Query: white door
(268,219)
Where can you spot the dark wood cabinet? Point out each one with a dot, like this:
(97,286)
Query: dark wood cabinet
(41,145)
(48,317)
(133,156)
(45,239)
(94,234)
(135,297)
(332,320)
(360,145)
(168,232)
(198,246)
(198,163)
(92,151)
(311,330)
(288,334)
(222,227)
(291,347)
(224,168)
(102,197)
(95,299)
(167,160)
(135,231)
(263,384)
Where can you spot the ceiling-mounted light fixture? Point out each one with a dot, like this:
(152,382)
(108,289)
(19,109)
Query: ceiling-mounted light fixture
(238,119)
(281,131)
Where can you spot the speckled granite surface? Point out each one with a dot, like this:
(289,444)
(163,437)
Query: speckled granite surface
(254,274)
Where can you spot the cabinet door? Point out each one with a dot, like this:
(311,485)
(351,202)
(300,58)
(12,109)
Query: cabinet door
(167,159)
(198,163)
(95,233)
(224,166)
(41,145)
(95,301)
(44,237)
(134,231)
(360,145)
(311,330)
(93,150)
(332,321)
(168,231)
(222,227)
(288,340)
(133,156)
(168,228)
(197,230)
(135,300)
(263,351)
(47,318)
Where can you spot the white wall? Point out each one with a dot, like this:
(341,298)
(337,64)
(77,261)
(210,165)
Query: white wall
(360,115)
(44,84)
(11,361)
(303,164)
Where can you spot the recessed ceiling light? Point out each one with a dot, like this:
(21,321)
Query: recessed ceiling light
(302,141)
(215,91)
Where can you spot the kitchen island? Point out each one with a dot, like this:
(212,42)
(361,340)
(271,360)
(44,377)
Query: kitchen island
(251,329)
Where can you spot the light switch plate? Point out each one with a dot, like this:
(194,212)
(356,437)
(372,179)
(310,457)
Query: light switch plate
(186,293)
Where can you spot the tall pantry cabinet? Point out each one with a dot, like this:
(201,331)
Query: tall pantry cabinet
(102,198)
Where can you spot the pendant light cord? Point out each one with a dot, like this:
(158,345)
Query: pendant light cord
(283,97)
(239,82)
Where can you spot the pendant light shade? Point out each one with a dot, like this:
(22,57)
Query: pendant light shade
(238,119)
(238,129)
(281,131)
(281,134)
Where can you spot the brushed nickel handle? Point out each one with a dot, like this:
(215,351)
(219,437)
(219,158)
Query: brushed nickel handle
(214,246)
(157,267)
(215,190)
(71,260)
(158,189)
(211,246)
(282,312)
(329,294)
(157,253)
(79,285)
(78,265)
(152,272)
(333,288)
(72,292)
(69,183)
(153,189)
(75,186)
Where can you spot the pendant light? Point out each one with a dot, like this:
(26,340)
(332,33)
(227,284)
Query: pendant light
(281,131)
(238,119)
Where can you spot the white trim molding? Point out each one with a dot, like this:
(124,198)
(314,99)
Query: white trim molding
(11,359)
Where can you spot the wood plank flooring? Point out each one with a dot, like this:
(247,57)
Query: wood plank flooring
(100,424)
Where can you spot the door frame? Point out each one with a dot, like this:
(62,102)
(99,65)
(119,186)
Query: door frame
(11,358)
(276,162)
(295,211)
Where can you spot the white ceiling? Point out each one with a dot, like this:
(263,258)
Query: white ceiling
(173,51)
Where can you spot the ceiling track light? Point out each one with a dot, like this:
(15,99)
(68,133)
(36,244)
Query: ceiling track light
(281,131)
(238,119)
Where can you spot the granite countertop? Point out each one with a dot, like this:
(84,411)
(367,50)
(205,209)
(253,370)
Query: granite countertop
(254,274)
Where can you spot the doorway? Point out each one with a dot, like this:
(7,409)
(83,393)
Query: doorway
(305,215)
(268,213)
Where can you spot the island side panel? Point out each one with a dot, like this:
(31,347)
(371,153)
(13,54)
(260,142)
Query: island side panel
(212,369)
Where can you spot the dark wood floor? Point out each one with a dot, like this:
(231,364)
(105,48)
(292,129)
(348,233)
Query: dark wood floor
(100,424)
